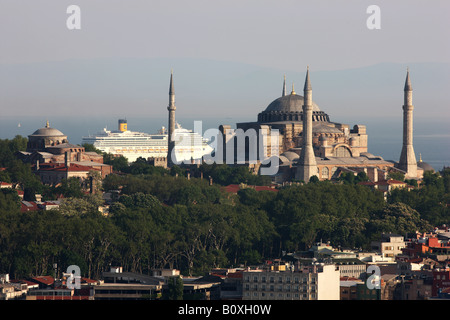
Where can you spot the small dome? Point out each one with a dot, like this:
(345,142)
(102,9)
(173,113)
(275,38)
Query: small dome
(425,166)
(283,160)
(291,156)
(289,103)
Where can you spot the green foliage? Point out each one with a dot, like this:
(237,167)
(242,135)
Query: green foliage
(397,218)
(350,178)
(431,199)
(8,149)
(164,220)
(175,289)
(225,175)
(70,188)
(396,176)
(9,200)
(90,148)
(119,163)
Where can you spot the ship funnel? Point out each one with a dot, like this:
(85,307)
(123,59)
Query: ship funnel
(122,125)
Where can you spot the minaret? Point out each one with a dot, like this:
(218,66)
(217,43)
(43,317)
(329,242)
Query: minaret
(408,161)
(284,87)
(307,166)
(171,108)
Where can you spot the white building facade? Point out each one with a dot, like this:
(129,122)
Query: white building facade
(315,282)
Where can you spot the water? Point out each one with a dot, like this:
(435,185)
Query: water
(431,136)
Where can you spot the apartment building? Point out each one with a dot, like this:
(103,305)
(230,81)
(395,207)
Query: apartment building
(390,245)
(289,282)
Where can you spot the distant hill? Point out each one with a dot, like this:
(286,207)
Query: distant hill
(130,87)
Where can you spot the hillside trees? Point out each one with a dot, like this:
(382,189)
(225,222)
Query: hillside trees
(160,219)
(431,199)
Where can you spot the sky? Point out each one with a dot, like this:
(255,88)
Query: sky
(47,68)
(285,34)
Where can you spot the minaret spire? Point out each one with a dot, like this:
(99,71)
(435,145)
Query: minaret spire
(284,87)
(307,81)
(307,165)
(408,161)
(171,90)
(408,86)
(171,108)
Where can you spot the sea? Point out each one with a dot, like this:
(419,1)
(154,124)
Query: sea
(431,136)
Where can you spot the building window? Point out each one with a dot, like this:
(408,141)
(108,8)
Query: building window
(325,173)
(342,152)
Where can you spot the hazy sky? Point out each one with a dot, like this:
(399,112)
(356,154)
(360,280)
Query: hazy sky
(326,34)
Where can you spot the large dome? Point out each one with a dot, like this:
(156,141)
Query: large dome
(48,132)
(45,137)
(289,103)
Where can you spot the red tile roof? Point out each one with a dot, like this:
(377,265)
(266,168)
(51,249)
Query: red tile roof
(235,275)
(62,167)
(86,280)
(29,206)
(387,182)
(48,280)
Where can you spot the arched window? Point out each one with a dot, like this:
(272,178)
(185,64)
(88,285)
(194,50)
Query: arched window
(342,152)
(325,173)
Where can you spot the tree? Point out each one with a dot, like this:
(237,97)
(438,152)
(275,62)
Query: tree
(174,290)
(119,163)
(397,218)
(90,148)
(396,176)
(70,188)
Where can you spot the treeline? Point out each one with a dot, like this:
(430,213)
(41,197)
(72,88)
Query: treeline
(14,170)
(432,199)
(159,218)
(167,221)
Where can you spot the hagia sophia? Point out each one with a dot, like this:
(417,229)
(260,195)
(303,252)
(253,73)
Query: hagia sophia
(311,144)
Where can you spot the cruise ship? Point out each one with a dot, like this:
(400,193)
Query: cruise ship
(133,145)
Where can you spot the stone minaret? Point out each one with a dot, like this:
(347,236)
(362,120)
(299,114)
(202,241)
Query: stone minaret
(307,166)
(171,108)
(284,87)
(408,161)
